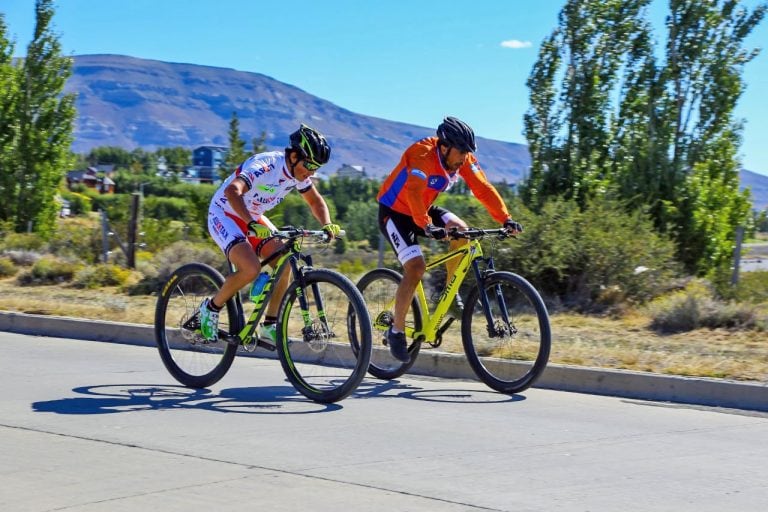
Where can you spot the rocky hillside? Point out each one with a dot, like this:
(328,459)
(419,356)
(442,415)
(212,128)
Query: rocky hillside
(130,102)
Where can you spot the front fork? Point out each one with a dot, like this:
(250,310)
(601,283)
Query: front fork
(481,276)
(308,330)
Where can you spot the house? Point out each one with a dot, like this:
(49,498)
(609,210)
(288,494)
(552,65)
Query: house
(209,156)
(351,171)
(92,180)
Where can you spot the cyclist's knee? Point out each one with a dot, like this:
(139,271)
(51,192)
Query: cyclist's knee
(415,268)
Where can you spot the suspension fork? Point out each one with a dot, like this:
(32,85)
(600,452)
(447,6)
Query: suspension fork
(480,275)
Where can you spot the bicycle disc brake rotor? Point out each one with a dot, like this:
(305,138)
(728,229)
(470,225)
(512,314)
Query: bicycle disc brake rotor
(317,335)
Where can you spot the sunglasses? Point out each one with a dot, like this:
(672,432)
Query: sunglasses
(311,166)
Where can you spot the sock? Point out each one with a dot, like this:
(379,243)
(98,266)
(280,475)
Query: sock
(269,320)
(396,331)
(213,307)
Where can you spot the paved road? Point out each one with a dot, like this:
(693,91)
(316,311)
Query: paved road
(89,426)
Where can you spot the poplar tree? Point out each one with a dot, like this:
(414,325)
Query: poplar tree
(9,128)
(236,153)
(45,117)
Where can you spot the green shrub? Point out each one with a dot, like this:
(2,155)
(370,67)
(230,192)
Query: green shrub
(22,242)
(7,267)
(752,287)
(48,270)
(79,204)
(173,208)
(160,233)
(77,238)
(695,307)
(97,276)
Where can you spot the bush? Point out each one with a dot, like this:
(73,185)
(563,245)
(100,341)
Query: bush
(22,242)
(752,287)
(695,307)
(22,258)
(173,208)
(157,271)
(77,238)
(97,276)
(7,267)
(79,204)
(48,270)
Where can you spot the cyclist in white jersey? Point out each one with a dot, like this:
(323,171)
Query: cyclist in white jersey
(237,223)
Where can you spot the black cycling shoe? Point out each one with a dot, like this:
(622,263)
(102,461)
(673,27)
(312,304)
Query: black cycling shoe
(398,346)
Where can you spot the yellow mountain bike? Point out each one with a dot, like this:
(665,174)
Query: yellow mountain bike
(323,330)
(505,328)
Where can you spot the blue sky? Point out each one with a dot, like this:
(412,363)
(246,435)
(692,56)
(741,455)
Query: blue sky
(406,61)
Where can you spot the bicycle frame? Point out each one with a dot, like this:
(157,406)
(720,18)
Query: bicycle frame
(432,323)
(291,258)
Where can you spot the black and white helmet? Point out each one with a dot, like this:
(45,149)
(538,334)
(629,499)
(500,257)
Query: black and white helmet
(456,133)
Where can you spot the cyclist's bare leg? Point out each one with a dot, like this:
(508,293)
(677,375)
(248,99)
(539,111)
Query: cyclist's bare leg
(413,270)
(248,267)
(450,265)
(269,248)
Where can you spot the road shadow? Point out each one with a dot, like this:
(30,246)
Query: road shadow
(371,388)
(121,398)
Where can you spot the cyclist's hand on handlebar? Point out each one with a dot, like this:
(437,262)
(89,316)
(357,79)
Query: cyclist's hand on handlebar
(432,231)
(512,227)
(258,230)
(332,230)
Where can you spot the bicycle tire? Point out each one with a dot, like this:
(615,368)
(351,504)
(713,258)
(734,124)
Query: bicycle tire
(507,356)
(320,362)
(190,359)
(378,288)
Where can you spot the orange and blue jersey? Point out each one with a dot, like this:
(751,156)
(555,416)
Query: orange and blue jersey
(419,177)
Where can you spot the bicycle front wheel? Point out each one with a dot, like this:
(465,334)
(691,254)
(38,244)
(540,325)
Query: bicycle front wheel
(187,355)
(324,336)
(506,333)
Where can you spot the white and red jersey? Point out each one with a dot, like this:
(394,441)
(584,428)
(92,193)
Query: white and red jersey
(268,181)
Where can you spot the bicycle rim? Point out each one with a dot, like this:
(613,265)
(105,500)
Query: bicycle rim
(189,358)
(511,351)
(324,352)
(378,288)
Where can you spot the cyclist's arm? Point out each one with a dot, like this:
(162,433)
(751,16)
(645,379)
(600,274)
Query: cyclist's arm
(234,193)
(484,191)
(317,205)
(414,195)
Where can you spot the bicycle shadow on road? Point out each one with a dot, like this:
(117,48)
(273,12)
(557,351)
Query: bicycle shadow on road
(370,388)
(120,398)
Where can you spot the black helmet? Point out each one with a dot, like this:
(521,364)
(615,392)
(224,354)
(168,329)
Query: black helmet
(456,133)
(311,144)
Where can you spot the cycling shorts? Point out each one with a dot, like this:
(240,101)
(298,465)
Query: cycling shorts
(401,232)
(228,230)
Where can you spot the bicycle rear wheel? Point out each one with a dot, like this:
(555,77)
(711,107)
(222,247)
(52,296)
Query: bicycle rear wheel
(191,359)
(507,344)
(378,288)
(324,349)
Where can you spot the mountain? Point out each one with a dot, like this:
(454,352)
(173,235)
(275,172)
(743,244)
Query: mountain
(129,102)
(758,185)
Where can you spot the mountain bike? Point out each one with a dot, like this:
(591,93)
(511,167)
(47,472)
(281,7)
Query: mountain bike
(320,312)
(505,329)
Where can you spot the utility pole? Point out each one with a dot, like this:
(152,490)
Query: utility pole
(133,227)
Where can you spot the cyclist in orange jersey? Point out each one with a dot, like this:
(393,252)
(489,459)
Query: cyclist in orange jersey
(428,167)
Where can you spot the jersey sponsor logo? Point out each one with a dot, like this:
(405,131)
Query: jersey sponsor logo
(474,167)
(437,182)
(396,240)
(219,227)
(266,188)
(419,173)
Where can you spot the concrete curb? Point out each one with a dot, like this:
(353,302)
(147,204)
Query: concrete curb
(627,384)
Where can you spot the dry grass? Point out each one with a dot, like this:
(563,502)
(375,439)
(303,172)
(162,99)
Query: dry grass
(623,343)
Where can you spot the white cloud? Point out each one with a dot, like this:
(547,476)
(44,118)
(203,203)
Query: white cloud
(515,44)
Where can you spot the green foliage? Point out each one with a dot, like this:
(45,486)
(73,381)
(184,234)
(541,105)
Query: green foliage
(77,238)
(117,206)
(7,267)
(167,208)
(236,154)
(585,257)
(352,268)
(37,126)
(48,270)
(98,276)
(79,204)
(361,221)
(607,119)
(160,232)
(158,270)
(752,287)
(22,241)
(695,307)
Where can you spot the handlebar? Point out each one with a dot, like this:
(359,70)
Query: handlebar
(290,232)
(478,234)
